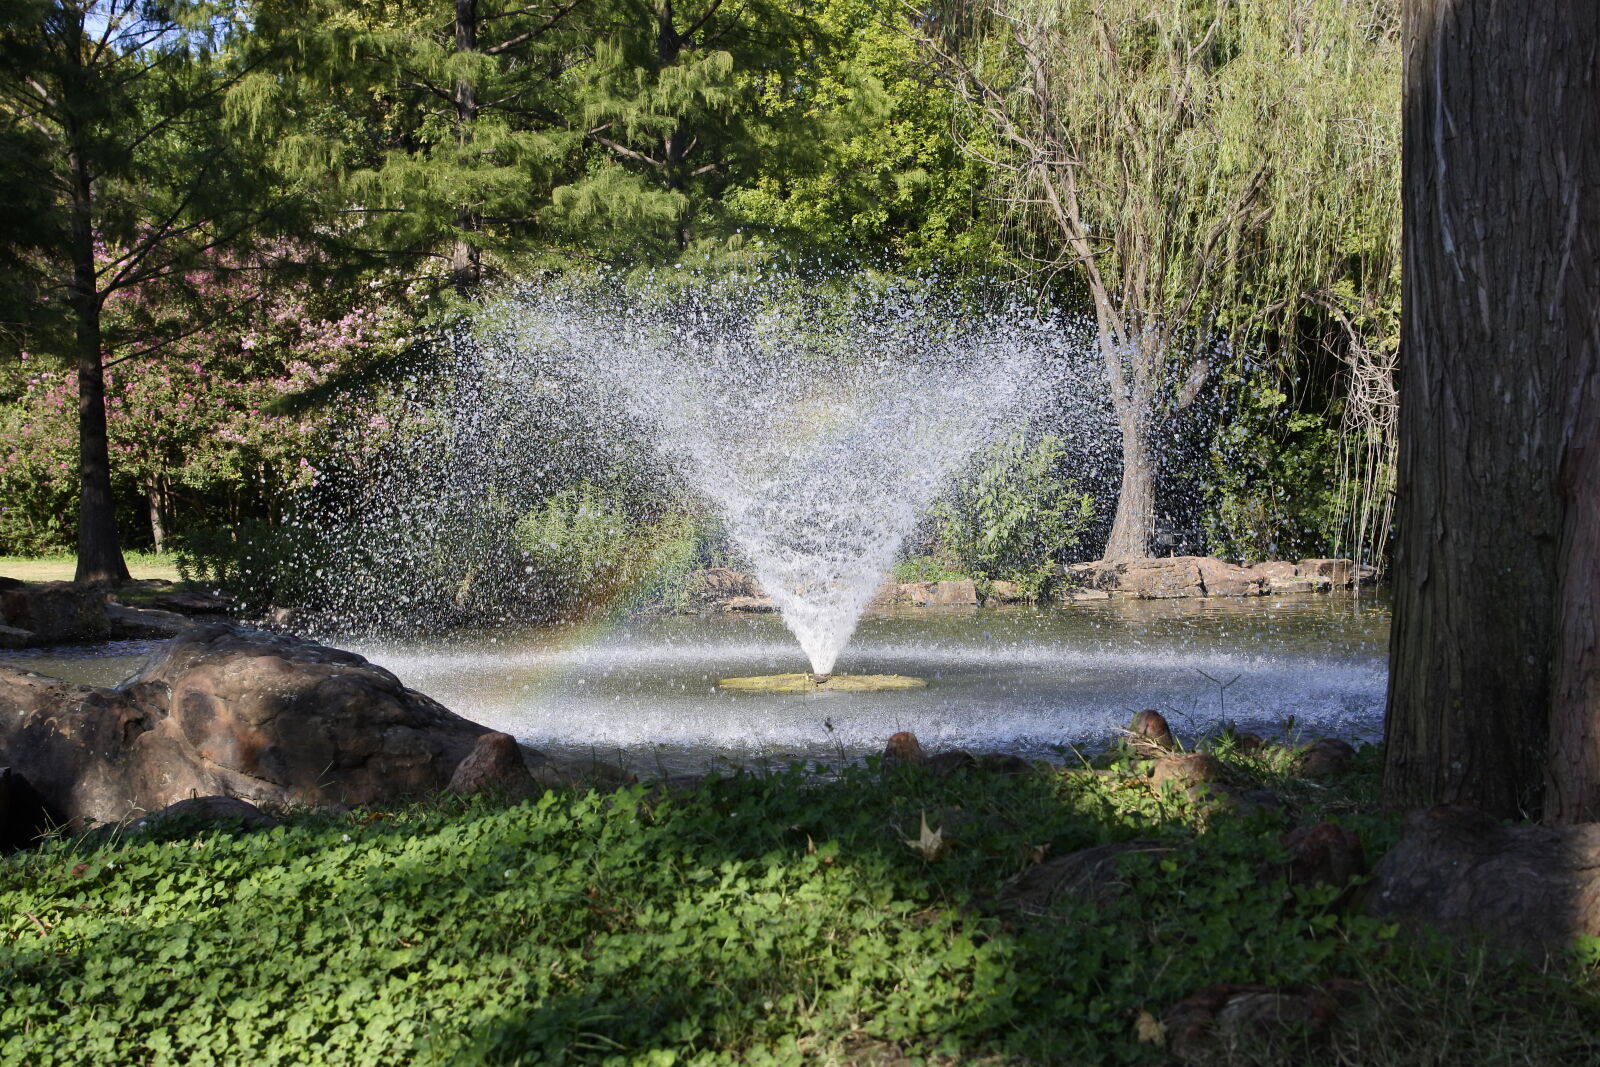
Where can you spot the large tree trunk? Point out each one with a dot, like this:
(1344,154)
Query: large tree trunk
(1502,212)
(99,552)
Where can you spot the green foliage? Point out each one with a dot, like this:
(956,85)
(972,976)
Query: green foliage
(1017,514)
(1273,490)
(753,919)
(585,551)
(928,568)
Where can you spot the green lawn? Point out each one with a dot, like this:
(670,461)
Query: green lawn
(774,918)
(60,568)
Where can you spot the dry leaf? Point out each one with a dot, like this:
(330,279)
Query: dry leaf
(930,843)
(1149,1030)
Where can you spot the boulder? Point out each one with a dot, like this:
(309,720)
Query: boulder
(1080,595)
(24,814)
(495,766)
(1226,579)
(56,611)
(1530,890)
(1159,579)
(1275,570)
(208,812)
(1337,571)
(962,592)
(218,712)
(944,764)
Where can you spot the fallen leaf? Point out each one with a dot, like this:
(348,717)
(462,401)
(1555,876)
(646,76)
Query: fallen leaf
(1149,1030)
(930,843)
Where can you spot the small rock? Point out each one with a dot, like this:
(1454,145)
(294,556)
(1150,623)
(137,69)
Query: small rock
(1234,799)
(1090,874)
(1150,734)
(1191,768)
(495,765)
(207,811)
(903,751)
(1325,758)
(1323,853)
(1003,763)
(1208,1026)
(1249,744)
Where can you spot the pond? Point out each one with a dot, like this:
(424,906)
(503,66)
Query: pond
(642,690)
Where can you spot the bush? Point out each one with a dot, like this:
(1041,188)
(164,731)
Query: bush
(1017,514)
(586,551)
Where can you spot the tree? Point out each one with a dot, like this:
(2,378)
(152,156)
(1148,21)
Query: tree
(1494,690)
(1191,170)
(683,101)
(434,128)
(124,102)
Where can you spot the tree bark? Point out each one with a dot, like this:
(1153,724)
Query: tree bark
(99,551)
(1135,522)
(1498,349)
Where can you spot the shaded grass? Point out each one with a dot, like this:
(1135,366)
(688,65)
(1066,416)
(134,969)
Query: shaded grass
(755,918)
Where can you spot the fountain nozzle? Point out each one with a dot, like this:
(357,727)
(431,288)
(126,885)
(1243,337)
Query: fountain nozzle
(821,679)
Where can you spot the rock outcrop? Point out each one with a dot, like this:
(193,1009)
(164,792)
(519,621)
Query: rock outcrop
(218,712)
(1199,576)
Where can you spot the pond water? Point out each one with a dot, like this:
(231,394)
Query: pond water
(642,690)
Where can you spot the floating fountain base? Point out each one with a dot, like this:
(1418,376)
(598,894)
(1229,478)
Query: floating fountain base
(826,683)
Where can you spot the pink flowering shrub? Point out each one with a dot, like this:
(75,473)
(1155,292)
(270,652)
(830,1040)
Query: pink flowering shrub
(203,429)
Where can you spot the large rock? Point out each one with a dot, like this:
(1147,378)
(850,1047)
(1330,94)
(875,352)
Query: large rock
(1226,579)
(960,592)
(24,814)
(268,718)
(1531,890)
(722,583)
(55,611)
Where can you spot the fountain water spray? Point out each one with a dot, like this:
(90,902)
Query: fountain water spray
(820,425)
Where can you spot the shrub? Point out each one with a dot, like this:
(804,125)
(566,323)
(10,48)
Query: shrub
(1016,514)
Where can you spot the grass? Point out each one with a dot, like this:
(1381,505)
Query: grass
(763,918)
(141,565)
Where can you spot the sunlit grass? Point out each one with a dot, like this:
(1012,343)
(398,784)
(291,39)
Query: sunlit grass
(141,565)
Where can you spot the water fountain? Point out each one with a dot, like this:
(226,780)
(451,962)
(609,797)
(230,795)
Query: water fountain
(820,433)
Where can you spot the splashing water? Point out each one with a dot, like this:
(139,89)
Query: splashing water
(821,430)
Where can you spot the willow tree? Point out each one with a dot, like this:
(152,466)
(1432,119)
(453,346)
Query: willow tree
(1195,171)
